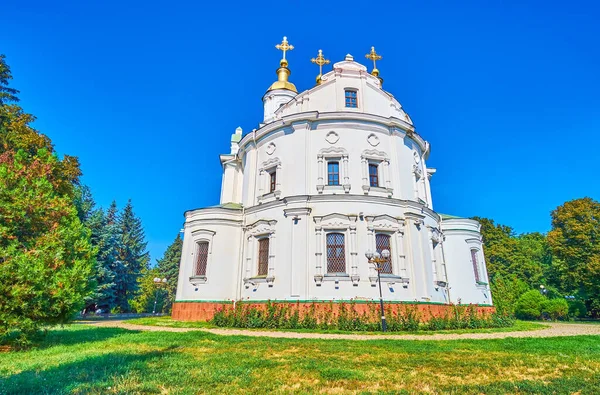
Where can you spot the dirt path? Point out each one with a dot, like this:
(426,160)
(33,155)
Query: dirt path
(553,329)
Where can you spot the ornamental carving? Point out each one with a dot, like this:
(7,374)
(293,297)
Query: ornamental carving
(332,137)
(271,148)
(373,140)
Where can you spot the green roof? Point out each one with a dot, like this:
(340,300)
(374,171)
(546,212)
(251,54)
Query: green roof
(448,216)
(230,205)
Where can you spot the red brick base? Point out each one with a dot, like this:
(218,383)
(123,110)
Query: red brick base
(204,311)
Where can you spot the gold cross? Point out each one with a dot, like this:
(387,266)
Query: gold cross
(374,57)
(320,60)
(284,46)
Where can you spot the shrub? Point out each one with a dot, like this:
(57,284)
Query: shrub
(286,316)
(529,305)
(577,308)
(556,309)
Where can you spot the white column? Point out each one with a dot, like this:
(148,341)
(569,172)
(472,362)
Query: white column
(319,251)
(353,251)
(365,171)
(346,175)
(249,252)
(261,189)
(386,172)
(402,271)
(371,246)
(432,254)
(278,178)
(320,170)
(271,271)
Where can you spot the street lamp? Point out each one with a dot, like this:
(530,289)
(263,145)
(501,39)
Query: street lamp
(543,290)
(159,282)
(378,260)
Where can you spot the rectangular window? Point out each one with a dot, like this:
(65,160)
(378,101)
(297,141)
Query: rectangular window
(382,242)
(336,253)
(272,181)
(475,265)
(373,175)
(263,256)
(333,173)
(201,259)
(351,100)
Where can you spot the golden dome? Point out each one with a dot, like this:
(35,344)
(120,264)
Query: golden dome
(283,72)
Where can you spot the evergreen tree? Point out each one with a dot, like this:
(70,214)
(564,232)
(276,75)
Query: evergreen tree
(46,257)
(132,257)
(7,94)
(168,267)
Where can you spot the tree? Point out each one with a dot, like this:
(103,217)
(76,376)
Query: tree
(529,306)
(7,94)
(132,257)
(46,256)
(149,292)
(168,267)
(575,242)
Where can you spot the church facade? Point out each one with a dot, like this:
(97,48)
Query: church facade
(331,173)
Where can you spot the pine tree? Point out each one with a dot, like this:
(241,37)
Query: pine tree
(132,256)
(7,94)
(168,267)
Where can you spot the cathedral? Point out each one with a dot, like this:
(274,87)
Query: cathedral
(334,176)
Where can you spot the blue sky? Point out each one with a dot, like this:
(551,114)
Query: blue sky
(147,93)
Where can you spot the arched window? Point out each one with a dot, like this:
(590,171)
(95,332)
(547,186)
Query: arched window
(336,253)
(475,265)
(383,242)
(263,256)
(201,259)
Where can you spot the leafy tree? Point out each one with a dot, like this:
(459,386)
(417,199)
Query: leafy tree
(168,267)
(132,257)
(149,293)
(46,257)
(556,309)
(506,290)
(529,305)
(575,242)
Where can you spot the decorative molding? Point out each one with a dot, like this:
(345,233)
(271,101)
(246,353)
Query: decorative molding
(271,148)
(374,154)
(273,162)
(373,140)
(261,227)
(332,137)
(332,152)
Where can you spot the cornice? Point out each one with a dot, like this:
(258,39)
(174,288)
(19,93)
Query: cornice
(312,116)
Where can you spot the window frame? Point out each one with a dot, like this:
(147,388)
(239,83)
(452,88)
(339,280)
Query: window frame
(262,254)
(475,263)
(200,252)
(330,174)
(273,180)
(389,262)
(335,245)
(350,98)
(373,177)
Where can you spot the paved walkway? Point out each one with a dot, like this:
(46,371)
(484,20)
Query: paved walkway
(554,329)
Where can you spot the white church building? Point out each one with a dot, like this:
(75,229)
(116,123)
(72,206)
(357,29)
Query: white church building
(331,173)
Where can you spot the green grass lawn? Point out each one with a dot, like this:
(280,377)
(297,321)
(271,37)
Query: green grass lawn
(168,322)
(81,359)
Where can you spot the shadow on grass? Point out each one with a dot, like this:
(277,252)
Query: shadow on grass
(69,337)
(93,374)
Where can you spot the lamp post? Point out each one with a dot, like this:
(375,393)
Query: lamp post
(159,282)
(378,260)
(543,290)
